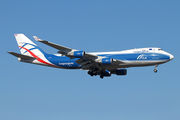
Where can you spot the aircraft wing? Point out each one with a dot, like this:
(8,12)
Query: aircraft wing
(64,50)
(86,60)
(59,47)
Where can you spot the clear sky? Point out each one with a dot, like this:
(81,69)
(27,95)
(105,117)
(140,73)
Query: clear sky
(32,92)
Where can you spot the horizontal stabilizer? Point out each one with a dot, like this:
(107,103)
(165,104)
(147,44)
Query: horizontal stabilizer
(21,56)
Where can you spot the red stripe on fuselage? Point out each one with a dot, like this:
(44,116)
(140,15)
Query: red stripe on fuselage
(38,59)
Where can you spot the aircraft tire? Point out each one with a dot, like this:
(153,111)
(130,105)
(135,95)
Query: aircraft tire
(101,76)
(155,70)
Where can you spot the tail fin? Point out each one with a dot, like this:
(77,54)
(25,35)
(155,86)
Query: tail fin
(27,47)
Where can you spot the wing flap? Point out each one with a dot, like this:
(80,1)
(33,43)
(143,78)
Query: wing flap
(90,56)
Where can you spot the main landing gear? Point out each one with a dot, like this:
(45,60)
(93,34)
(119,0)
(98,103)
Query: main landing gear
(102,73)
(101,76)
(93,72)
(155,69)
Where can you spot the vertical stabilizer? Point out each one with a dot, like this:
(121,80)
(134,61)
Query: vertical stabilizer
(27,47)
(30,52)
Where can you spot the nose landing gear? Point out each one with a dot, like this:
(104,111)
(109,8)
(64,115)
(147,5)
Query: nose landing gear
(155,69)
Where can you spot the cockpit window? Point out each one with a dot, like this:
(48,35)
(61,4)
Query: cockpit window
(160,49)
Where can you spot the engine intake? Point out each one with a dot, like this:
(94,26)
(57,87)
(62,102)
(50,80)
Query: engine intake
(76,54)
(106,61)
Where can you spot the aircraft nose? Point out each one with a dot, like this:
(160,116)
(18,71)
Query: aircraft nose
(171,57)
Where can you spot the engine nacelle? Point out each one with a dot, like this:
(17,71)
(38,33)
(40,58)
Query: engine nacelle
(106,73)
(106,61)
(76,54)
(120,72)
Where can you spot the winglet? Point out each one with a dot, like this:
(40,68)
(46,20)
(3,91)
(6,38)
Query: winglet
(37,39)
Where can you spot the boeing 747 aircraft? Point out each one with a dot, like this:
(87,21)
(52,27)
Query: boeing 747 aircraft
(97,63)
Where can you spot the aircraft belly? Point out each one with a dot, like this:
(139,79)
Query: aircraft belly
(134,64)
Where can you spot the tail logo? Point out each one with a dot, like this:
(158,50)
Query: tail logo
(34,47)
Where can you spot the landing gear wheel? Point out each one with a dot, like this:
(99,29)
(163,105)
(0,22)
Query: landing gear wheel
(155,68)
(90,73)
(101,76)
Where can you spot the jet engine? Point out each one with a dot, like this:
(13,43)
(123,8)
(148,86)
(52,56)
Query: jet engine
(106,73)
(120,72)
(105,61)
(76,54)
